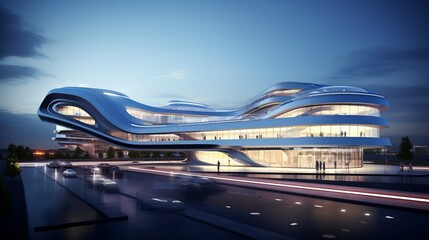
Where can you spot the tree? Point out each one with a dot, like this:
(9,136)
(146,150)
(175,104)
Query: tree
(77,152)
(100,155)
(12,167)
(405,150)
(144,154)
(11,148)
(120,153)
(28,153)
(20,152)
(58,155)
(133,154)
(110,152)
(86,155)
(168,154)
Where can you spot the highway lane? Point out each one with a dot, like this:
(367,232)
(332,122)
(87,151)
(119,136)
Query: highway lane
(292,215)
(267,204)
(141,223)
(411,200)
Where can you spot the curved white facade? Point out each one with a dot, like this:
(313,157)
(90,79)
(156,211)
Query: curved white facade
(288,125)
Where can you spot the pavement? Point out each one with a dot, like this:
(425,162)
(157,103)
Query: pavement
(367,169)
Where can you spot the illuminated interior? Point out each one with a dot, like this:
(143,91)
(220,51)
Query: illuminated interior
(320,110)
(165,118)
(212,157)
(76,113)
(280,132)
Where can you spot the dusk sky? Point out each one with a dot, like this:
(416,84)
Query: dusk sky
(220,53)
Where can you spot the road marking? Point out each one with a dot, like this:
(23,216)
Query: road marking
(368,194)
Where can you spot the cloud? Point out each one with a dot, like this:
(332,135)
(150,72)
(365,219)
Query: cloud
(408,104)
(25,129)
(16,39)
(417,91)
(381,61)
(10,72)
(175,75)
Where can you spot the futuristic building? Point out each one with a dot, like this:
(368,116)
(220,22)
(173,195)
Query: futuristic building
(289,124)
(70,139)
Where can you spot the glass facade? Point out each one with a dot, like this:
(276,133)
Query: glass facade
(290,158)
(212,157)
(307,157)
(319,110)
(164,118)
(278,93)
(357,110)
(75,113)
(280,132)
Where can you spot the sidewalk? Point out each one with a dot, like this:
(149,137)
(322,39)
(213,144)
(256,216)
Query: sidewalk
(367,169)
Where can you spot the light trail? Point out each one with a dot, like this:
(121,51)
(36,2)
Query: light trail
(367,194)
(421,168)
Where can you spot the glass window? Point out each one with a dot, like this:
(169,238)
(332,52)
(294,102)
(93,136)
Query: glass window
(343,109)
(76,113)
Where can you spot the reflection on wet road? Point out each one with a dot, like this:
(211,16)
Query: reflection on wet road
(287,214)
(291,215)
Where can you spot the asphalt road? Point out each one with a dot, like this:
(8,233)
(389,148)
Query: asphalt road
(50,202)
(291,215)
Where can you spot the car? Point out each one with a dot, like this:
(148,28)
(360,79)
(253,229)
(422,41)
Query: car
(116,170)
(194,181)
(93,170)
(135,161)
(66,164)
(102,183)
(158,203)
(54,164)
(95,180)
(69,173)
(108,185)
(104,167)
